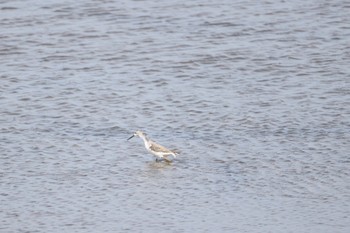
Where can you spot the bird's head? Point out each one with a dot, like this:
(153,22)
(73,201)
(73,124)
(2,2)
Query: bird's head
(138,133)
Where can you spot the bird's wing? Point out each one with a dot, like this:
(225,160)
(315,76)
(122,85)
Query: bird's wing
(156,147)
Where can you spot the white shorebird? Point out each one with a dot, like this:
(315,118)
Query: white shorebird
(157,150)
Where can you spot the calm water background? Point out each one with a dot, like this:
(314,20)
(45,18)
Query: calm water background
(254,94)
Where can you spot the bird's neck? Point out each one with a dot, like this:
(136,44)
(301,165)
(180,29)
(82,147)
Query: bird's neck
(145,140)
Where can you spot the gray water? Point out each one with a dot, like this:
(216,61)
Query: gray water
(255,95)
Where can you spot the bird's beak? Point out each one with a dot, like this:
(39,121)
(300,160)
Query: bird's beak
(130,137)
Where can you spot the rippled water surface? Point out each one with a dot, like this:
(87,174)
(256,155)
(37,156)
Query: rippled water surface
(255,95)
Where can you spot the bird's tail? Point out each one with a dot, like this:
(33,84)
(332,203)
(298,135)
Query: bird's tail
(175,153)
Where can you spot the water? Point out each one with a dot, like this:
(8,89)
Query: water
(255,96)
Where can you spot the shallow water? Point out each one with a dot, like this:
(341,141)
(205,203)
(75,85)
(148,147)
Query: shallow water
(255,96)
